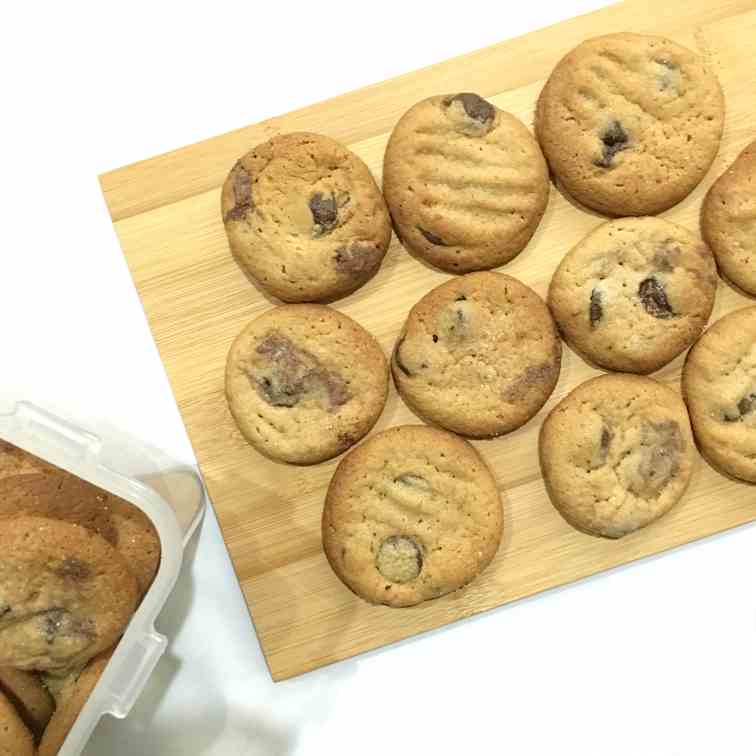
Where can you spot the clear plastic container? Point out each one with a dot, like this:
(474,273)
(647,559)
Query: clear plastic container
(173,499)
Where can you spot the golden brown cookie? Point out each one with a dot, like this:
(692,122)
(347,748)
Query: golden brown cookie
(70,701)
(479,355)
(634,293)
(47,491)
(305,382)
(719,386)
(465,182)
(15,738)
(65,594)
(32,701)
(616,454)
(411,514)
(630,123)
(728,221)
(305,218)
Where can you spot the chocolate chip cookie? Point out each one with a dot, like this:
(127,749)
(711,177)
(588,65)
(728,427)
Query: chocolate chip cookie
(15,738)
(305,382)
(465,182)
(616,454)
(634,293)
(630,123)
(25,691)
(411,514)
(719,386)
(305,218)
(39,488)
(65,594)
(478,355)
(70,701)
(728,221)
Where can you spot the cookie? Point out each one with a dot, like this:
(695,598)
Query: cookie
(45,490)
(634,293)
(70,701)
(15,738)
(32,701)
(411,514)
(465,182)
(305,382)
(630,123)
(728,221)
(719,386)
(65,594)
(616,454)
(478,355)
(305,218)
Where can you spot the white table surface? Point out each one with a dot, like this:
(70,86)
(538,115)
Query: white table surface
(657,659)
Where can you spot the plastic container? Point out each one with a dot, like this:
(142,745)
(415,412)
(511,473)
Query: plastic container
(174,500)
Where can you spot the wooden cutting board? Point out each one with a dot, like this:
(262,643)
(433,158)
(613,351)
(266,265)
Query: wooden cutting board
(166,214)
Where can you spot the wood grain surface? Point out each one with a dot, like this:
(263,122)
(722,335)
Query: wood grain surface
(166,214)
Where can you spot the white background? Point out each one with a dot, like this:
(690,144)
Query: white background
(657,659)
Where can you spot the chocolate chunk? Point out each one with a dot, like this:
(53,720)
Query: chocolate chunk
(601,451)
(58,622)
(432,238)
(73,569)
(294,374)
(666,259)
(357,259)
(534,375)
(398,358)
(606,439)
(659,458)
(614,139)
(746,404)
(324,211)
(400,559)
(460,298)
(596,309)
(4,609)
(744,407)
(654,298)
(414,481)
(475,106)
(242,194)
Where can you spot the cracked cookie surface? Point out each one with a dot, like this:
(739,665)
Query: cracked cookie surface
(305,218)
(305,382)
(630,123)
(411,514)
(65,594)
(719,386)
(728,221)
(478,355)
(465,182)
(616,454)
(634,293)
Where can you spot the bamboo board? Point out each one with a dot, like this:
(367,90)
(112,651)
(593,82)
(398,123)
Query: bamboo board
(166,214)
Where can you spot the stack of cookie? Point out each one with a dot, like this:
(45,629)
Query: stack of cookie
(75,562)
(628,125)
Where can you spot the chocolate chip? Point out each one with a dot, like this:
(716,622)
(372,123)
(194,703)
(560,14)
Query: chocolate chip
(606,439)
(746,404)
(398,358)
(475,106)
(596,309)
(73,569)
(4,609)
(58,622)
(744,407)
(324,211)
(414,481)
(357,259)
(460,298)
(614,139)
(242,194)
(654,298)
(400,559)
(432,238)
(295,373)
(601,451)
